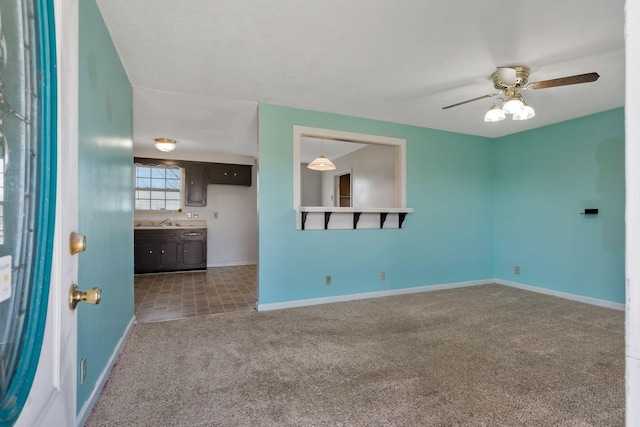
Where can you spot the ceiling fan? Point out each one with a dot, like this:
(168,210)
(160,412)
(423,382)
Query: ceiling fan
(509,81)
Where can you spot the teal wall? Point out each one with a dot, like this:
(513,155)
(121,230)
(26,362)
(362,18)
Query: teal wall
(482,206)
(544,179)
(448,239)
(105,196)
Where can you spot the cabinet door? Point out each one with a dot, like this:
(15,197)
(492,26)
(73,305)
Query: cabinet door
(219,173)
(196,188)
(241,175)
(169,254)
(194,253)
(145,256)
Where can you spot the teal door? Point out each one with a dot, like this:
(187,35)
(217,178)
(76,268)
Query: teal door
(27,192)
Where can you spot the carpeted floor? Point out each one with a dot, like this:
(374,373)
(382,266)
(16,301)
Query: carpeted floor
(480,356)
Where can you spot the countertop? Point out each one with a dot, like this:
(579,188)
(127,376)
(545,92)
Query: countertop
(168,225)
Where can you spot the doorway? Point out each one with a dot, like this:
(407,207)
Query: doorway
(343,189)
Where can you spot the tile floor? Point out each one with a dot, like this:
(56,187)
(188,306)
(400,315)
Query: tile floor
(170,296)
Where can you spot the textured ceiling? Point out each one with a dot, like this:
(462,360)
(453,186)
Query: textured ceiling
(200,67)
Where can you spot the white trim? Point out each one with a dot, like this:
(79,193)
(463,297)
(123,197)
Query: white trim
(565,295)
(84,413)
(353,210)
(231,264)
(367,295)
(399,143)
(428,288)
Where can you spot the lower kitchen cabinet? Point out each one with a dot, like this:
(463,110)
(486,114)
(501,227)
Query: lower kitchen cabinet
(170,250)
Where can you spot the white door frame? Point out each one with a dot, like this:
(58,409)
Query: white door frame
(52,399)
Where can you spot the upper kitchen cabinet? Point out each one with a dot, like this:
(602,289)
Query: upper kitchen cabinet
(230,174)
(196,184)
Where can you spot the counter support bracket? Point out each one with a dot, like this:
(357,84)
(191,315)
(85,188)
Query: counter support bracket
(401,217)
(383,218)
(356,218)
(327,217)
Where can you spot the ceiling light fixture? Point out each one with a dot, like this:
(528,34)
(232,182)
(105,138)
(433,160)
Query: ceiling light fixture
(527,113)
(321,163)
(495,114)
(514,104)
(165,144)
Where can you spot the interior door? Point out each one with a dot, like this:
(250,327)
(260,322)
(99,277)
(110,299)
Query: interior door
(52,398)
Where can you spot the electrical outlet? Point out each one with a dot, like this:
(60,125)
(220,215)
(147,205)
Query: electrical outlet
(189,214)
(327,280)
(517,269)
(83,369)
(195,214)
(383,275)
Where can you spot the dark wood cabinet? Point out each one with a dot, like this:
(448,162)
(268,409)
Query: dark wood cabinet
(144,255)
(170,250)
(196,184)
(229,174)
(219,173)
(240,175)
(169,253)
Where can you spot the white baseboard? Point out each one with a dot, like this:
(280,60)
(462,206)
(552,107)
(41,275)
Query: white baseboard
(366,295)
(379,294)
(84,413)
(565,295)
(231,264)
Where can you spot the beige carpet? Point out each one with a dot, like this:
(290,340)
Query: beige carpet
(481,356)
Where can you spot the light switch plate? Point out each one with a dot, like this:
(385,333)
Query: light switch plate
(5,278)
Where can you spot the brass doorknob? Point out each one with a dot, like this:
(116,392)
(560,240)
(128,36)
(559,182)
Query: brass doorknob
(91,296)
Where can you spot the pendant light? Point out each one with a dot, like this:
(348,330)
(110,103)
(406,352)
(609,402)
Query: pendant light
(165,144)
(321,163)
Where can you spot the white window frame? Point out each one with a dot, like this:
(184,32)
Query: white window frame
(180,191)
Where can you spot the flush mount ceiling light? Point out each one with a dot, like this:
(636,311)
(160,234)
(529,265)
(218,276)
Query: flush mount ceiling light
(321,163)
(165,144)
(509,80)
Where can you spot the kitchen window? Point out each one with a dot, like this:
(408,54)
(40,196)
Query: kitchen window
(158,187)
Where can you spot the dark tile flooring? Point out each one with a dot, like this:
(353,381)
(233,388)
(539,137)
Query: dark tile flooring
(159,297)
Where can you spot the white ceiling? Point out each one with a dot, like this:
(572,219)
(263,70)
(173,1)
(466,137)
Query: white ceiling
(199,68)
(311,147)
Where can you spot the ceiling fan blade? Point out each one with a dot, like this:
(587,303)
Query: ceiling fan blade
(564,81)
(507,75)
(489,95)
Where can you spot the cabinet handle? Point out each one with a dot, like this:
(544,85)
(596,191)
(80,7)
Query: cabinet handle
(162,251)
(191,182)
(150,252)
(185,251)
(234,174)
(225,174)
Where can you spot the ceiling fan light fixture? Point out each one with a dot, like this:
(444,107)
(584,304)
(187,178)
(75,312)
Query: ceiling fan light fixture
(165,144)
(495,114)
(527,113)
(514,104)
(321,163)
